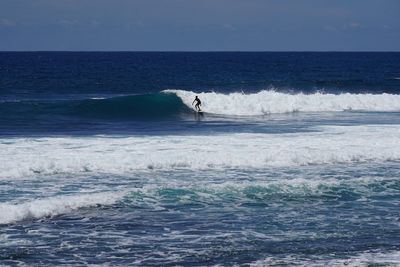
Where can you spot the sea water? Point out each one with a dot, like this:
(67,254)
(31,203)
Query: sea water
(294,162)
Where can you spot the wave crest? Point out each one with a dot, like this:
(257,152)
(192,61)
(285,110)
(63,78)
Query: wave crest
(173,104)
(54,206)
(268,102)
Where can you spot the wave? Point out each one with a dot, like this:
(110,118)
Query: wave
(158,105)
(53,206)
(178,103)
(156,196)
(123,155)
(269,102)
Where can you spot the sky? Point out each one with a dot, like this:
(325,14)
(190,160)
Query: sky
(199,25)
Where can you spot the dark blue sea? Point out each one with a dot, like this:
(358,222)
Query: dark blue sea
(295,160)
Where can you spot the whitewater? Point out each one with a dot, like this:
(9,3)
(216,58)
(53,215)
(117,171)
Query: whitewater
(270,101)
(123,155)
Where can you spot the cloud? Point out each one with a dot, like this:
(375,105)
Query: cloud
(66,22)
(228,27)
(355,25)
(352,25)
(95,23)
(331,29)
(7,23)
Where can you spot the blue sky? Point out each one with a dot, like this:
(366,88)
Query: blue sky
(200,25)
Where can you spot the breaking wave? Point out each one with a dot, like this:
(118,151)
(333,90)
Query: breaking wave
(268,102)
(178,103)
(53,206)
(157,196)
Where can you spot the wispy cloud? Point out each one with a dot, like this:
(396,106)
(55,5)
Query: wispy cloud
(95,23)
(331,29)
(355,24)
(7,23)
(227,26)
(352,25)
(66,22)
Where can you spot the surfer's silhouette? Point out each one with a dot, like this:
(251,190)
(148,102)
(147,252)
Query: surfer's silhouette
(198,103)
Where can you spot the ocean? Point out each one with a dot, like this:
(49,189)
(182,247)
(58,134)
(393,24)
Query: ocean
(294,162)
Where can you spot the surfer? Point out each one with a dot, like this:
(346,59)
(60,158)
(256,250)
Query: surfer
(198,103)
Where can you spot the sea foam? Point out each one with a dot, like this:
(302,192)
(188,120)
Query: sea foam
(153,195)
(365,259)
(29,157)
(52,206)
(267,102)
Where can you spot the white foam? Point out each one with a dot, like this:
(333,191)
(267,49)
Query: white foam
(372,258)
(266,102)
(11,212)
(29,157)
